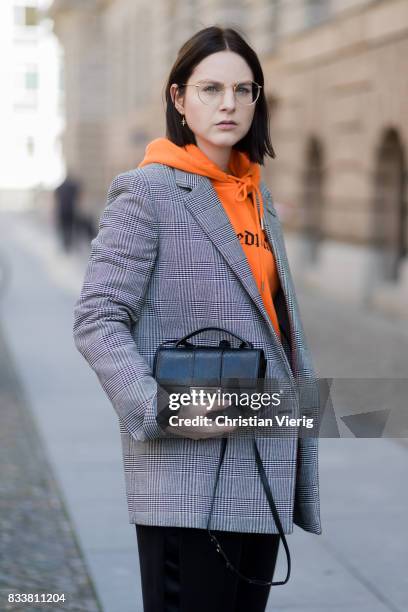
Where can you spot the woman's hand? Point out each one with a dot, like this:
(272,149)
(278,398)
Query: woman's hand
(198,432)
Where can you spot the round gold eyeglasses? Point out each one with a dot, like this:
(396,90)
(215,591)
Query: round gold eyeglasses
(211,92)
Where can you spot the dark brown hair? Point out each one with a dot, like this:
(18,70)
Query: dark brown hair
(256,143)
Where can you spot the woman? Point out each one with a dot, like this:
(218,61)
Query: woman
(191,239)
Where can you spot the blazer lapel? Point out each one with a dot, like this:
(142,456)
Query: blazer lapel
(270,219)
(203,203)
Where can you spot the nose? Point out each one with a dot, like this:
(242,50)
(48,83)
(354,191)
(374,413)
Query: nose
(228,98)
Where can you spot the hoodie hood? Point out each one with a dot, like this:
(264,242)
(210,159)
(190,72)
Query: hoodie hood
(243,180)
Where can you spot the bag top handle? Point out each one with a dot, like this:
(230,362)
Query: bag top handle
(244,343)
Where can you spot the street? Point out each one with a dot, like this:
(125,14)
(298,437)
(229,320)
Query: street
(62,485)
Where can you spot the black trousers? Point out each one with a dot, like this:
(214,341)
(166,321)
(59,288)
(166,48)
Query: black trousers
(181,571)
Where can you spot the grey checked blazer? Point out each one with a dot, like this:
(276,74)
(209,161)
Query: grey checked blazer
(166,261)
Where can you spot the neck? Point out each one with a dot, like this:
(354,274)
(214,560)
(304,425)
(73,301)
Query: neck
(219,155)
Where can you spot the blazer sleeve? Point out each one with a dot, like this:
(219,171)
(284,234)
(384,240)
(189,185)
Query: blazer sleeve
(121,261)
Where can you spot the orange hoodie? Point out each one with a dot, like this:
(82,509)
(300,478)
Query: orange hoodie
(233,191)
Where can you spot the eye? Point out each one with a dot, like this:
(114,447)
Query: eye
(211,87)
(244,88)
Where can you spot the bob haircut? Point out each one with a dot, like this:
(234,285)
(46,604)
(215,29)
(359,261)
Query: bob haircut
(256,143)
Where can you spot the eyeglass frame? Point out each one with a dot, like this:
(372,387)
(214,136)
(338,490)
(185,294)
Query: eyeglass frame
(223,84)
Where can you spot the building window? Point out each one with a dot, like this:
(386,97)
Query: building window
(26,87)
(30,145)
(31,79)
(26,16)
(316,11)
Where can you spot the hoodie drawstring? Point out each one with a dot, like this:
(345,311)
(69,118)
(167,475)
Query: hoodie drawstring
(245,186)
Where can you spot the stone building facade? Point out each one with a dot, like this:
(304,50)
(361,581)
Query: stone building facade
(339,119)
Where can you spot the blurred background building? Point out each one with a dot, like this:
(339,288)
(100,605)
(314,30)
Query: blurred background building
(335,80)
(31,102)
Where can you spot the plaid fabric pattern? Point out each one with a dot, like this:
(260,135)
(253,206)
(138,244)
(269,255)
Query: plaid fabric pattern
(166,261)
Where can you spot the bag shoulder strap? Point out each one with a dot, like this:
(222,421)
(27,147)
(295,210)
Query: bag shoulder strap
(275,513)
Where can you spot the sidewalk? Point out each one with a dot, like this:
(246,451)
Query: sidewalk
(358,563)
(34,526)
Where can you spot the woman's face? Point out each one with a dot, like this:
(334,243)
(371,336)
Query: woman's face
(228,68)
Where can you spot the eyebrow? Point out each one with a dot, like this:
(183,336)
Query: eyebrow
(220,83)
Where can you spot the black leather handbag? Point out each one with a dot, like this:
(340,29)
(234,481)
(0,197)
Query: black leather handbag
(179,366)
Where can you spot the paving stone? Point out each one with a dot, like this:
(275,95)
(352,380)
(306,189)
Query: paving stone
(39,552)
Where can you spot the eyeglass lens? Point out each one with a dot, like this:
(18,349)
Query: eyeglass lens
(245,93)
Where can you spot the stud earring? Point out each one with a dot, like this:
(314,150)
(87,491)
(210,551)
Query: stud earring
(183,122)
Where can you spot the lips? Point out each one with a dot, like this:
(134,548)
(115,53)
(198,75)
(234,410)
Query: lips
(226,123)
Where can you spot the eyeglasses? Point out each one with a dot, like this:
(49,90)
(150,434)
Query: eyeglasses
(211,92)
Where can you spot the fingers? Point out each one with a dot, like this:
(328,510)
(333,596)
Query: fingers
(193,410)
(197,432)
(204,431)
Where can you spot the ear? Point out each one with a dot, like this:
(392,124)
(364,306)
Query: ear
(178,99)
